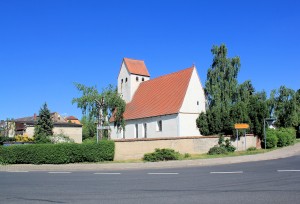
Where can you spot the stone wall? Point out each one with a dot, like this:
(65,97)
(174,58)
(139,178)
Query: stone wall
(136,148)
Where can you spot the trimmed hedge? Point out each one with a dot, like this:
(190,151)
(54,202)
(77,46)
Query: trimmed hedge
(57,153)
(161,155)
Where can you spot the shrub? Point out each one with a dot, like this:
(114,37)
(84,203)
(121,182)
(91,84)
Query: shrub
(91,140)
(282,139)
(290,134)
(186,155)
(228,146)
(271,139)
(6,139)
(57,153)
(217,150)
(251,149)
(161,155)
(223,147)
(23,138)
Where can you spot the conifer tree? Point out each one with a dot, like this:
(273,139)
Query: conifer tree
(44,126)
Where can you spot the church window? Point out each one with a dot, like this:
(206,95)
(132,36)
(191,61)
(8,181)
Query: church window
(136,130)
(126,80)
(143,79)
(121,81)
(145,130)
(137,78)
(197,103)
(159,126)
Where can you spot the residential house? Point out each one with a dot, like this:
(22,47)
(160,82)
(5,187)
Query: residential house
(61,126)
(72,119)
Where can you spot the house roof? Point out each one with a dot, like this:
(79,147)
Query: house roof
(57,120)
(160,96)
(71,118)
(137,67)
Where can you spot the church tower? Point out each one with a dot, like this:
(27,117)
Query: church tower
(132,73)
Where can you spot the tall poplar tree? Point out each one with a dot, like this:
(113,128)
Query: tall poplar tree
(221,89)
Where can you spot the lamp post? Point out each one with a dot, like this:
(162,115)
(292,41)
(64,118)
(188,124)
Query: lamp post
(269,121)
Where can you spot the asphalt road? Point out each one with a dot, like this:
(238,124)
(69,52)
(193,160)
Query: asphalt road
(274,181)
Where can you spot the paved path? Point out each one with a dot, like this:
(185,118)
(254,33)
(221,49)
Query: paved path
(276,154)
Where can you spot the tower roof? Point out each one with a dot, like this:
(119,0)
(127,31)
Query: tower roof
(137,67)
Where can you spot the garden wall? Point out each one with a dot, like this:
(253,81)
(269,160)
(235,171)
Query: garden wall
(126,149)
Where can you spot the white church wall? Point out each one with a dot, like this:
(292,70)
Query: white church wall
(194,101)
(169,128)
(124,83)
(187,124)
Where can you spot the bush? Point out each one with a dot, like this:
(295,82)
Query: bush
(290,134)
(217,150)
(6,139)
(57,153)
(228,146)
(280,137)
(161,155)
(272,139)
(223,147)
(251,149)
(23,138)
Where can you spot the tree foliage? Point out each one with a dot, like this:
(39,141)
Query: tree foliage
(228,101)
(286,109)
(88,127)
(44,127)
(114,105)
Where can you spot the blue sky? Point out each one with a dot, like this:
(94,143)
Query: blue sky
(47,45)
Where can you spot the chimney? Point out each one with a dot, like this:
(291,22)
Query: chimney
(34,116)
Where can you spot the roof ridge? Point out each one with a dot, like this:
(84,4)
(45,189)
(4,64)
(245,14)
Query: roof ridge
(132,59)
(166,75)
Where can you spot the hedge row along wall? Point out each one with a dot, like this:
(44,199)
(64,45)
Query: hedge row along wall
(57,153)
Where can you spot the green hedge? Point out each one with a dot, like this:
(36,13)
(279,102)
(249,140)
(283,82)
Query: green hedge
(280,137)
(57,153)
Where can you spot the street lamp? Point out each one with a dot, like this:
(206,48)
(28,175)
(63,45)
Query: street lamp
(269,121)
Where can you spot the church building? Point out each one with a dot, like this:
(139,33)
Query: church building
(166,106)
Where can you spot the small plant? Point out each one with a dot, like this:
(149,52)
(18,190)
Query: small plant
(217,150)
(186,155)
(250,149)
(161,155)
(223,147)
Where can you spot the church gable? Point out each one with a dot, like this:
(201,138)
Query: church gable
(194,100)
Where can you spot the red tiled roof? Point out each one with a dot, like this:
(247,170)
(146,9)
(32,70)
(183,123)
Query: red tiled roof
(137,67)
(71,118)
(161,96)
